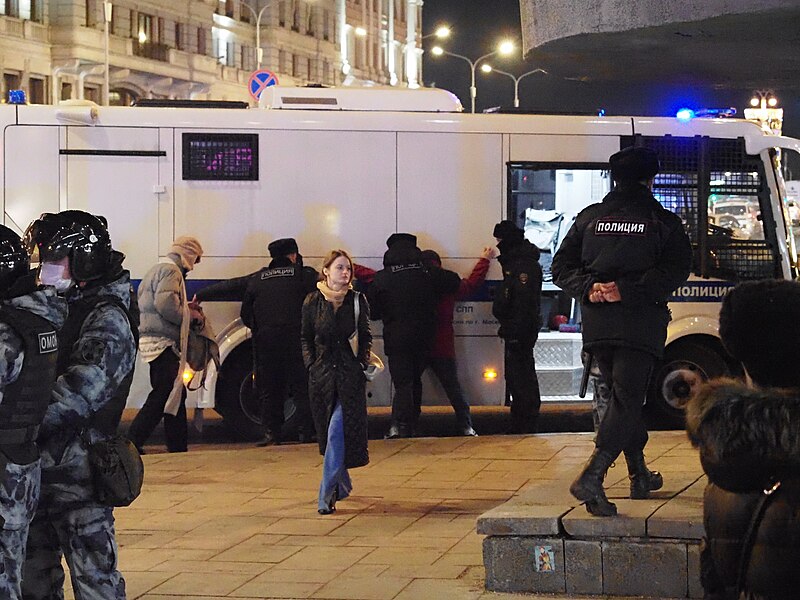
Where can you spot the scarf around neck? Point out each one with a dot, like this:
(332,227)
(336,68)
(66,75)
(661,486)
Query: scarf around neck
(332,296)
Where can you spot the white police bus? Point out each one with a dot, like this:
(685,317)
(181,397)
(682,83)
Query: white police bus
(346,168)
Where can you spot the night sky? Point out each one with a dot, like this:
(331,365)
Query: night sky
(479,24)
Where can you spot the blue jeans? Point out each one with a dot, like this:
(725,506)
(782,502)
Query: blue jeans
(334,473)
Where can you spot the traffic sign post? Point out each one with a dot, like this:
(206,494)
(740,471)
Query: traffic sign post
(259,81)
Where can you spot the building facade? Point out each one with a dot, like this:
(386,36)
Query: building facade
(203,49)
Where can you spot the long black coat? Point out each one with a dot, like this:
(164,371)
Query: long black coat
(748,439)
(334,373)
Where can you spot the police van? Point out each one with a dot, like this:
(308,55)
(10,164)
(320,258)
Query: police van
(345,168)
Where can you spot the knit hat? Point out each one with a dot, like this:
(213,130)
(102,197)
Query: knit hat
(189,249)
(282,247)
(507,231)
(759,324)
(396,238)
(634,164)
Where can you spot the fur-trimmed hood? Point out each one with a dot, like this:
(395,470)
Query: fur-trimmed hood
(748,437)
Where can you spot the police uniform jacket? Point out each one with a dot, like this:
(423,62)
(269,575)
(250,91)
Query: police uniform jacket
(404,295)
(516,301)
(630,239)
(273,301)
(94,366)
(19,467)
(749,439)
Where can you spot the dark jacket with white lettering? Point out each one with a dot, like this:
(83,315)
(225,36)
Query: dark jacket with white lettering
(404,295)
(273,302)
(630,239)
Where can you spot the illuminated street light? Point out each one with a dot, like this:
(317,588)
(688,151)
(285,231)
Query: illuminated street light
(360,31)
(504,49)
(765,111)
(487,68)
(442,32)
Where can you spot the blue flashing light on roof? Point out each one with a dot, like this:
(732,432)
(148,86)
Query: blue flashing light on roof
(685,114)
(601,112)
(17,97)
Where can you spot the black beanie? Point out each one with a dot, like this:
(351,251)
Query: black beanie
(634,164)
(431,258)
(508,232)
(282,247)
(395,238)
(759,324)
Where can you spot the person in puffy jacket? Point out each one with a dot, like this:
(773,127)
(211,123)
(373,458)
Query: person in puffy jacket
(748,435)
(516,306)
(621,259)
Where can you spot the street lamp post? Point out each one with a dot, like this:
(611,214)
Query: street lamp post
(257,16)
(107,13)
(505,48)
(487,68)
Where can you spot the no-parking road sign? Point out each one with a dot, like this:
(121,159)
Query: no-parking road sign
(259,81)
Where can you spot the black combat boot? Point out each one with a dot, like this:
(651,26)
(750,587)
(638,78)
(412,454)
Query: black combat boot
(643,480)
(588,487)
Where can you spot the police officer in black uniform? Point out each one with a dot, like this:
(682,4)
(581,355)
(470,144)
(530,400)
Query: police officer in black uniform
(516,306)
(404,295)
(622,259)
(271,308)
(30,316)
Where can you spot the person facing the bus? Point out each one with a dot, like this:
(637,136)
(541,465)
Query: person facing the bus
(30,316)
(748,435)
(442,359)
(166,315)
(272,309)
(516,306)
(97,351)
(621,259)
(337,385)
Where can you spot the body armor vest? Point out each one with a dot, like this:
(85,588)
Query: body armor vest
(25,401)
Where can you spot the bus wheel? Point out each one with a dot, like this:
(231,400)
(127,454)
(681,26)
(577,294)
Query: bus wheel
(237,401)
(685,367)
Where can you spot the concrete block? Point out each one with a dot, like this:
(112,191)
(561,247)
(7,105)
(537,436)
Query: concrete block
(655,570)
(681,517)
(631,520)
(584,567)
(693,571)
(524,564)
(520,518)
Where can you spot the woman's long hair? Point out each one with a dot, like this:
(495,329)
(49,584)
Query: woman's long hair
(332,256)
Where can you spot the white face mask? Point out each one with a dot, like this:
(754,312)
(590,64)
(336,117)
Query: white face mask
(52,274)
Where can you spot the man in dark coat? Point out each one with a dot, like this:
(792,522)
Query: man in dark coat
(516,306)
(403,295)
(621,260)
(271,308)
(749,442)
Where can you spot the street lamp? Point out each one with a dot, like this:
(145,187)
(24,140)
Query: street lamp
(257,16)
(107,13)
(442,32)
(505,48)
(487,68)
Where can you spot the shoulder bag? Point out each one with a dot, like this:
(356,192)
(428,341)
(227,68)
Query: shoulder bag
(117,470)
(374,364)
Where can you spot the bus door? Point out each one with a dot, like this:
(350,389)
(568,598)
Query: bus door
(115,172)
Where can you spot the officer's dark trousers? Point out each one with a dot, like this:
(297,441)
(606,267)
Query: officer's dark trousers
(163,372)
(445,370)
(627,373)
(279,370)
(406,368)
(523,385)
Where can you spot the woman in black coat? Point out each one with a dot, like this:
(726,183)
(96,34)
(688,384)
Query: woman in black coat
(336,382)
(749,442)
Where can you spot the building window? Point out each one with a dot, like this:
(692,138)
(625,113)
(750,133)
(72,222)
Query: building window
(295,66)
(91,12)
(326,25)
(282,65)
(36,90)
(121,98)
(296,16)
(201,41)
(229,8)
(282,13)
(309,19)
(144,30)
(180,42)
(309,69)
(66,90)
(92,92)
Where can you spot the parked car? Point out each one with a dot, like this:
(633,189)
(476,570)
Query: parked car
(740,215)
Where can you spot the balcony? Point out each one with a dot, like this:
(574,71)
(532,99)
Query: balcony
(151,50)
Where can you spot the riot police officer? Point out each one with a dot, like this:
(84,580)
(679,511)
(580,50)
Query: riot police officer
(272,308)
(30,316)
(97,349)
(622,259)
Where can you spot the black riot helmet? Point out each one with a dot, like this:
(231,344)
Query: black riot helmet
(81,236)
(14,261)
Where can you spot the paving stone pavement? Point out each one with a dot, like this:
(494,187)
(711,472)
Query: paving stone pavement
(236,521)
